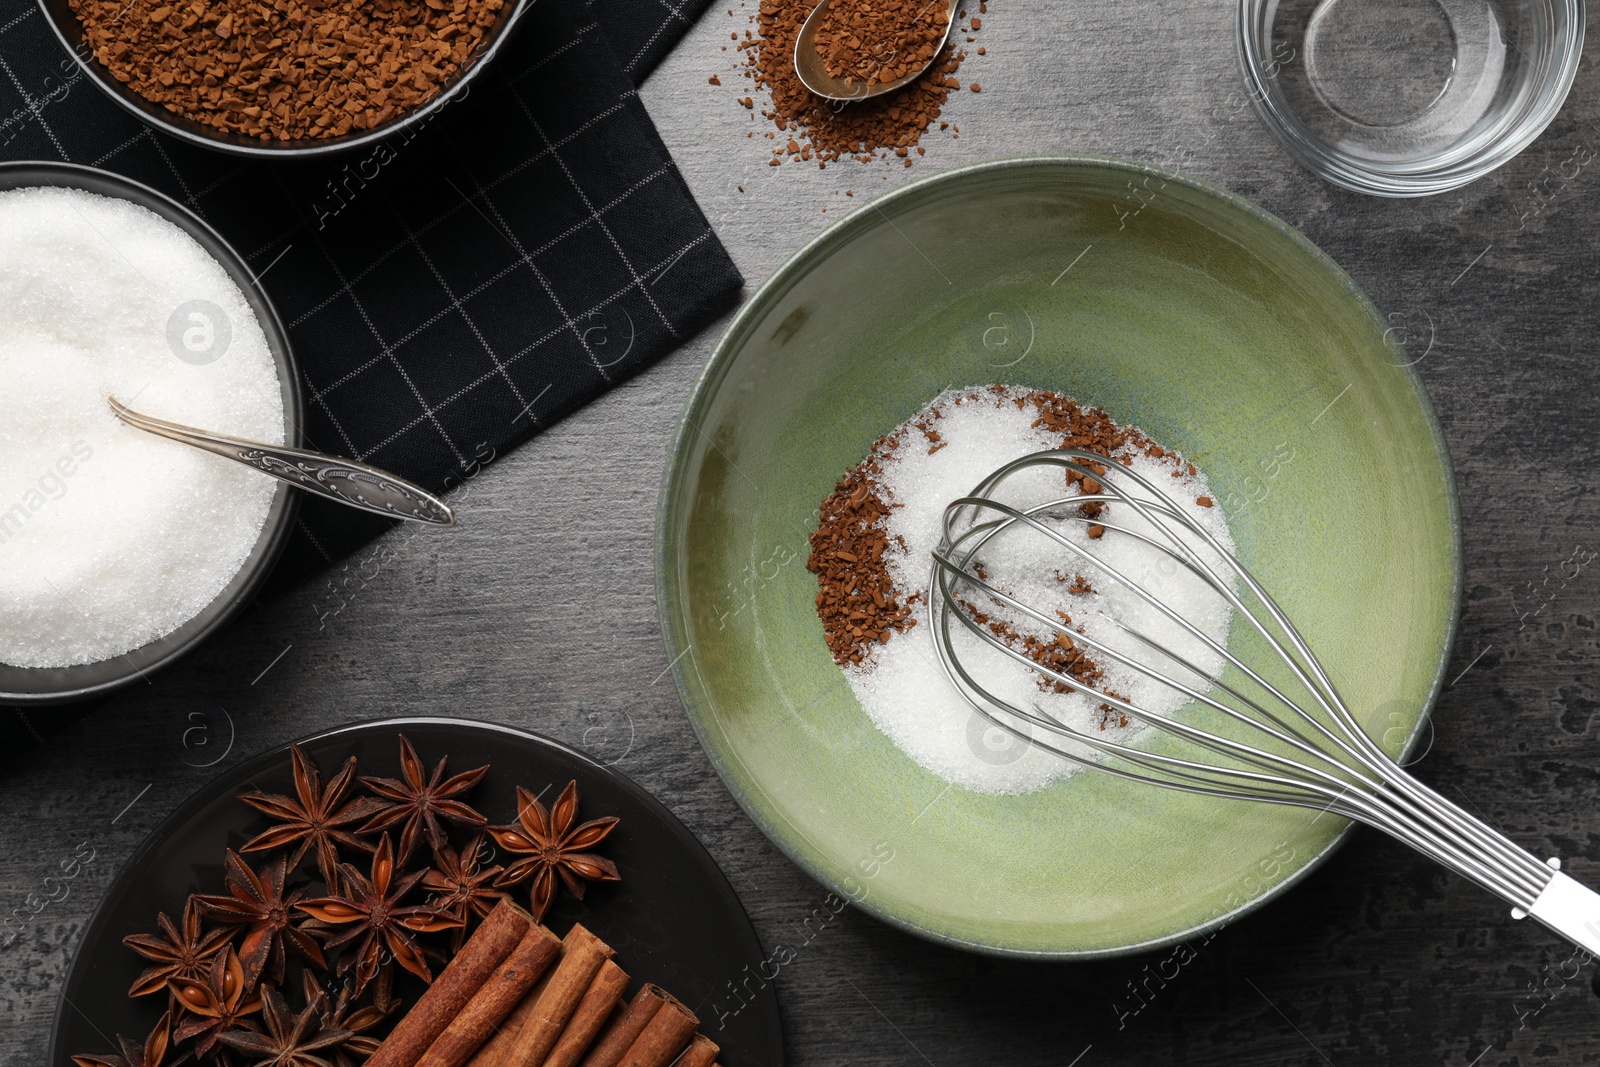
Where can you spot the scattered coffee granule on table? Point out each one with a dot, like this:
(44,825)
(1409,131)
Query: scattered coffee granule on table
(827,130)
(871,554)
(287,70)
(880,42)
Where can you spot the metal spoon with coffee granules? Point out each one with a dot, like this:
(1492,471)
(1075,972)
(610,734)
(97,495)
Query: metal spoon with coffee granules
(847,51)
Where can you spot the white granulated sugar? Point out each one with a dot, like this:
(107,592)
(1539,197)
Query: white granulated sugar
(902,686)
(111,537)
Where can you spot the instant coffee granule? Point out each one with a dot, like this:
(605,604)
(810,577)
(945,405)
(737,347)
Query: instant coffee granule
(1060,653)
(287,69)
(880,42)
(871,552)
(858,601)
(809,127)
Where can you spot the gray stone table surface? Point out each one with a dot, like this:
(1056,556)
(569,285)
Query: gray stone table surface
(538,611)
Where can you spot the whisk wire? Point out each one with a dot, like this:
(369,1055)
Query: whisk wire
(1029,517)
(1327,695)
(1221,745)
(1354,778)
(1205,778)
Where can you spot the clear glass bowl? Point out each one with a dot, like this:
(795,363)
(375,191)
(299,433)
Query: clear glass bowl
(1408,97)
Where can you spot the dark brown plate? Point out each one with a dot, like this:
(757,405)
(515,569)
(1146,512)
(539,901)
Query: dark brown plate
(673,919)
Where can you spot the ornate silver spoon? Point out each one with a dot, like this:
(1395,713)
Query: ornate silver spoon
(356,485)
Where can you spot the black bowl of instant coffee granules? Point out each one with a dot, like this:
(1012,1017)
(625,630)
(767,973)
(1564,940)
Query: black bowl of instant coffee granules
(280,78)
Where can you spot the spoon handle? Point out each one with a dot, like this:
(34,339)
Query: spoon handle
(357,485)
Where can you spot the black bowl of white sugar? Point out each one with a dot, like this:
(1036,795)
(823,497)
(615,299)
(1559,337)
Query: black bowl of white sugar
(120,550)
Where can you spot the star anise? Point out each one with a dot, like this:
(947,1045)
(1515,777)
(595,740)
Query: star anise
(337,1014)
(554,846)
(179,954)
(150,1054)
(257,902)
(316,819)
(420,802)
(218,1005)
(461,886)
(290,1040)
(372,909)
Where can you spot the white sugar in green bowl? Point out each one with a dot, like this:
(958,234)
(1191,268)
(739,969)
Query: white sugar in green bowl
(119,549)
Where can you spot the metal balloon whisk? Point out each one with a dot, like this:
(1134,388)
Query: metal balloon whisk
(1289,737)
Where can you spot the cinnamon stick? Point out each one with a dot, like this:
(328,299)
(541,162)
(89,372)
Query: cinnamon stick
(552,1005)
(702,1052)
(484,951)
(494,1000)
(626,1028)
(493,1052)
(589,1016)
(664,1036)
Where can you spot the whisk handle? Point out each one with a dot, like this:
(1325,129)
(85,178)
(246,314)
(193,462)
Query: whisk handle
(1572,910)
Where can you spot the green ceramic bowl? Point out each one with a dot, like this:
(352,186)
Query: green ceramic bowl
(1177,307)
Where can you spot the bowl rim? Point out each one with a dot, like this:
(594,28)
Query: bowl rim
(716,368)
(1424,175)
(160,120)
(285,501)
